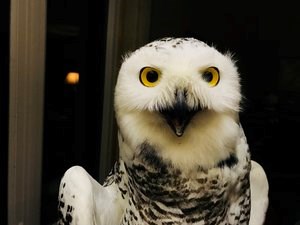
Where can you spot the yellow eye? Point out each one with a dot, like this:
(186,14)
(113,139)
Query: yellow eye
(149,76)
(211,76)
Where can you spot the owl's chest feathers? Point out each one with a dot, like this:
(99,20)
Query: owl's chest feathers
(155,191)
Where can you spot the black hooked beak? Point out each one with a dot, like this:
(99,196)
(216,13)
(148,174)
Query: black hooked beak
(179,115)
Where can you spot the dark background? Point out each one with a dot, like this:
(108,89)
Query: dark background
(265,43)
(76,32)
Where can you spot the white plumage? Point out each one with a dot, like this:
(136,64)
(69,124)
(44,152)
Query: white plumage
(184,158)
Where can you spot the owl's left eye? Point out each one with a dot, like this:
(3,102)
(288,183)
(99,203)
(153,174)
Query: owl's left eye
(211,76)
(149,76)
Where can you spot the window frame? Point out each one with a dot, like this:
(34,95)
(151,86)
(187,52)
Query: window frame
(26,93)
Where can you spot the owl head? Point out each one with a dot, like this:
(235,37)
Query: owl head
(175,93)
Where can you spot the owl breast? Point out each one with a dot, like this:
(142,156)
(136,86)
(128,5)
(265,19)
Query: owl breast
(158,193)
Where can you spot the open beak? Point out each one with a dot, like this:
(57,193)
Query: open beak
(180,114)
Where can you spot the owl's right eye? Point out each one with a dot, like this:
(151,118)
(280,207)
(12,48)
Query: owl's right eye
(211,76)
(149,76)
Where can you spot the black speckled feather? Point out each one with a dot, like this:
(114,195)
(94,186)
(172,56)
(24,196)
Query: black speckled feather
(159,194)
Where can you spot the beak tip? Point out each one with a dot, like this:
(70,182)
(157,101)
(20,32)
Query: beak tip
(179,131)
(179,135)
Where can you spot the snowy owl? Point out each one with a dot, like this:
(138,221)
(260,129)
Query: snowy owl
(184,158)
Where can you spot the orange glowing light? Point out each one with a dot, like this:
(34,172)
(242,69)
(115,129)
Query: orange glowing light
(72,78)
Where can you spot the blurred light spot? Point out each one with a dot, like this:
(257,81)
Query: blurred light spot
(72,78)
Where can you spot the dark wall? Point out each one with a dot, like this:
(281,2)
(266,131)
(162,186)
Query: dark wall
(265,43)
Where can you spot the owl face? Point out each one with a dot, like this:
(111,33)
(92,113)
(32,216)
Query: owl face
(177,78)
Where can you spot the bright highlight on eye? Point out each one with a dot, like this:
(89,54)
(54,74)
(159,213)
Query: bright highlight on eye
(211,76)
(149,76)
(72,78)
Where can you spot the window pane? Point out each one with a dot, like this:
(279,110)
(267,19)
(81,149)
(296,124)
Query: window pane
(76,31)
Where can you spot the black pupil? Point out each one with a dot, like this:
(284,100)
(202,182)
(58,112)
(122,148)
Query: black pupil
(207,76)
(152,76)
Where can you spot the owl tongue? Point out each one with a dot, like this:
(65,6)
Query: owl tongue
(179,115)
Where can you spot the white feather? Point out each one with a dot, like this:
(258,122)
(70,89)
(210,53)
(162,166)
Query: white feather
(91,203)
(259,194)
